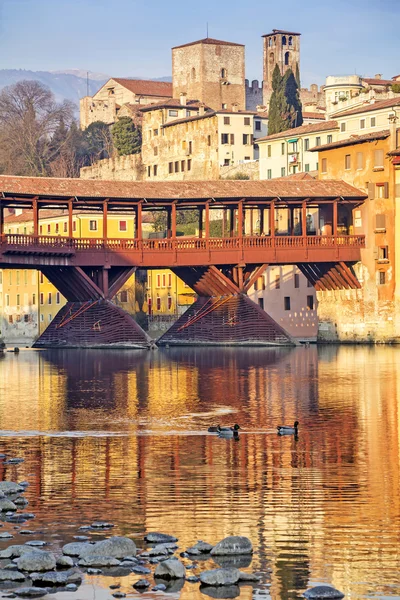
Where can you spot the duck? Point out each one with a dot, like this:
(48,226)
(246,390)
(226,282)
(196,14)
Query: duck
(288,430)
(228,430)
(213,429)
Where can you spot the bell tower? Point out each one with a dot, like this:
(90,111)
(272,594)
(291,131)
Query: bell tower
(281,48)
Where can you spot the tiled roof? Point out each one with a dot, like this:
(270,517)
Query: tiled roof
(56,188)
(313,115)
(208,41)
(207,114)
(146,88)
(274,31)
(256,113)
(354,139)
(379,105)
(373,81)
(171,103)
(301,176)
(303,130)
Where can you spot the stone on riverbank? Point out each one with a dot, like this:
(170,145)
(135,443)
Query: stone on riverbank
(64,562)
(9,575)
(6,504)
(200,548)
(6,536)
(76,548)
(321,592)
(118,547)
(15,551)
(141,584)
(31,592)
(53,578)
(139,570)
(98,561)
(159,538)
(9,487)
(216,577)
(170,569)
(233,544)
(37,560)
(101,525)
(225,592)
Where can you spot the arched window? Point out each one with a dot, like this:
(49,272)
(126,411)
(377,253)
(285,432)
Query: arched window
(193,74)
(290,41)
(158,302)
(169,301)
(286,59)
(284,40)
(223,74)
(270,42)
(271,58)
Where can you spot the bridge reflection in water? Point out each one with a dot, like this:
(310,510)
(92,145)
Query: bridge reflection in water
(123,438)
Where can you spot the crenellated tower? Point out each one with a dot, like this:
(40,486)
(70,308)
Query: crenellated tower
(281,48)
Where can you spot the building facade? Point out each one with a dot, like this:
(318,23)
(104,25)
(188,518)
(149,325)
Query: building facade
(280,48)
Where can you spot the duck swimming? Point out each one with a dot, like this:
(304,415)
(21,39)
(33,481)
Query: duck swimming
(213,429)
(288,430)
(219,429)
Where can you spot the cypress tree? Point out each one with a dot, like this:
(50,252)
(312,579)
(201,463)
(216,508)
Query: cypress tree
(275,102)
(285,111)
(126,136)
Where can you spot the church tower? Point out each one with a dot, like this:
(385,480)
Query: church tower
(281,48)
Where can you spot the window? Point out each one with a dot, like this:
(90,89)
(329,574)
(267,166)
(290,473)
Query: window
(155,150)
(57,228)
(283,172)
(373,121)
(169,302)
(286,302)
(382,190)
(247,121)
(41,229)
(324,165)
(155,168)
(177,166)
(224,106)
(223,73)
(158,302)
(41,298)
(296,280)
(172,113)
(26,318)
(258,126)
(293,146)
(290,41)
(287,58)
(10,319)
(148,171)
(310,302)
(383,253)
(209,140)
(155,131)
(318,141)
(232,139)
(163,280)
(307,168)
(380,222)
(227,120)
(306,144)
(170,167)
(65,227)
(261,303)
(329,139)
(309,284)
(58,298)
(7,300)
(224,138)
(41,278)
(347,162)
(33,299)
(93,225)
(169,280)
(190,149)
(362,123)
(123,226)
(360,160)
(269,151)
(18,300)
(74,226)
(158,281)
(123,296)
(378,159)
(48,228)
(50,318)
(381,278)
(17,276)
(50,299)
(26,277)
(226,162)
(183,165)
(269,174)
(283,148)
(342,126)
(189,164)
(246,139)
(277,282)
(284,40)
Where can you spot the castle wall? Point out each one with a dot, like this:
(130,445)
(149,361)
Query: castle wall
(117,168)
(254,95)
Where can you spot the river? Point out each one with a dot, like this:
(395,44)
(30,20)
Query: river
(122,436)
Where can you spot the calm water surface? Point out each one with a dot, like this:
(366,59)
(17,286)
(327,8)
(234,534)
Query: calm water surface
(122,436)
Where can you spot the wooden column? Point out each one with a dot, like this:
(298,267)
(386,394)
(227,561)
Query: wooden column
(200,223)
(1,220)
(335,218)
(173,220)
(207,221)
(261,209)
(304,218)
(35,208)
(231,222)
(138,222)
(168,209)
(240,219)
(272,218)
(70,219)
(105,281)
(105,213)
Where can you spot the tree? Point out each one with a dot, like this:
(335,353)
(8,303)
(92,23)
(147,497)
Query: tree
(98,142)
(285,110)
(126,136)
(29,118)
(297,75)
(71,154)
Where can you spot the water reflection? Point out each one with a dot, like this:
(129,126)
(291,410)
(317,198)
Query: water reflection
(122,436)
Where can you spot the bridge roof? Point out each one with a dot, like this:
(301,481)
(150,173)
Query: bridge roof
(63,189)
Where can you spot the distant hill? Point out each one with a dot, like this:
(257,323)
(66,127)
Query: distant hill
(70,84)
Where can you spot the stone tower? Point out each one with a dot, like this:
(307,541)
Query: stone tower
(281,48)
(211,71)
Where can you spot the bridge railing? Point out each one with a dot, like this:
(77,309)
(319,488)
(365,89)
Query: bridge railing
(182,244)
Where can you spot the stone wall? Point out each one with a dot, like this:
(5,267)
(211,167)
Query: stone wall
(251,169)
(254,95)
(121,168)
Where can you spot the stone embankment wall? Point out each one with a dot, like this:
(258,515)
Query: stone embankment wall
(251,169)
(121,168)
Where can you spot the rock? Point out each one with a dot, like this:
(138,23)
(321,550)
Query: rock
(172,586)
(31,592)
(23,484)
(20,501)
(191,566)
(37,560)
(139,570)
(233,544)
(16,518)
(9,595)
(11,567)
(53,578)
(9,575)
(98,561)
(14,461)
(2,456)
(322,591)
(27,515)
(141,584)
(114,586)
(119,595)
(64,562)
(71,587)
(250,577)
(131,559)
(36,543)
(159,538)
(6,536)
(15,551)
(192,579)
(200,548)
(84,528)
(238,561)
(159,550)
(170,569)
(118,547)
(94,571)
(218,577)
(76,548)
(101,525)
(226,591)
(6,504)
(81,538)
(26,532)
(161,587)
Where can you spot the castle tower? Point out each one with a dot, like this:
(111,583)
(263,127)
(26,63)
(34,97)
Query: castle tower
(211,71)
(281,48)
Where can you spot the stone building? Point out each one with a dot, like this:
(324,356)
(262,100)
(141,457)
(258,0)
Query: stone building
(281,48)
(371,162)
(211,71)
(118,94)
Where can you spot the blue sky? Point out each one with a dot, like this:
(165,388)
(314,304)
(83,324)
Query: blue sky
(130,38)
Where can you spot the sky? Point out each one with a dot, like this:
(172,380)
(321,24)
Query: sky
(126,38)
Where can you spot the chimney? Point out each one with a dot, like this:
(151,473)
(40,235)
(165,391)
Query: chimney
(378,76)
(201,109)
(392,132)
(182,98)
(234,107)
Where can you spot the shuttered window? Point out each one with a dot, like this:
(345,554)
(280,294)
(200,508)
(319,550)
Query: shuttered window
(360,160)
(380,221)
(378,159)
